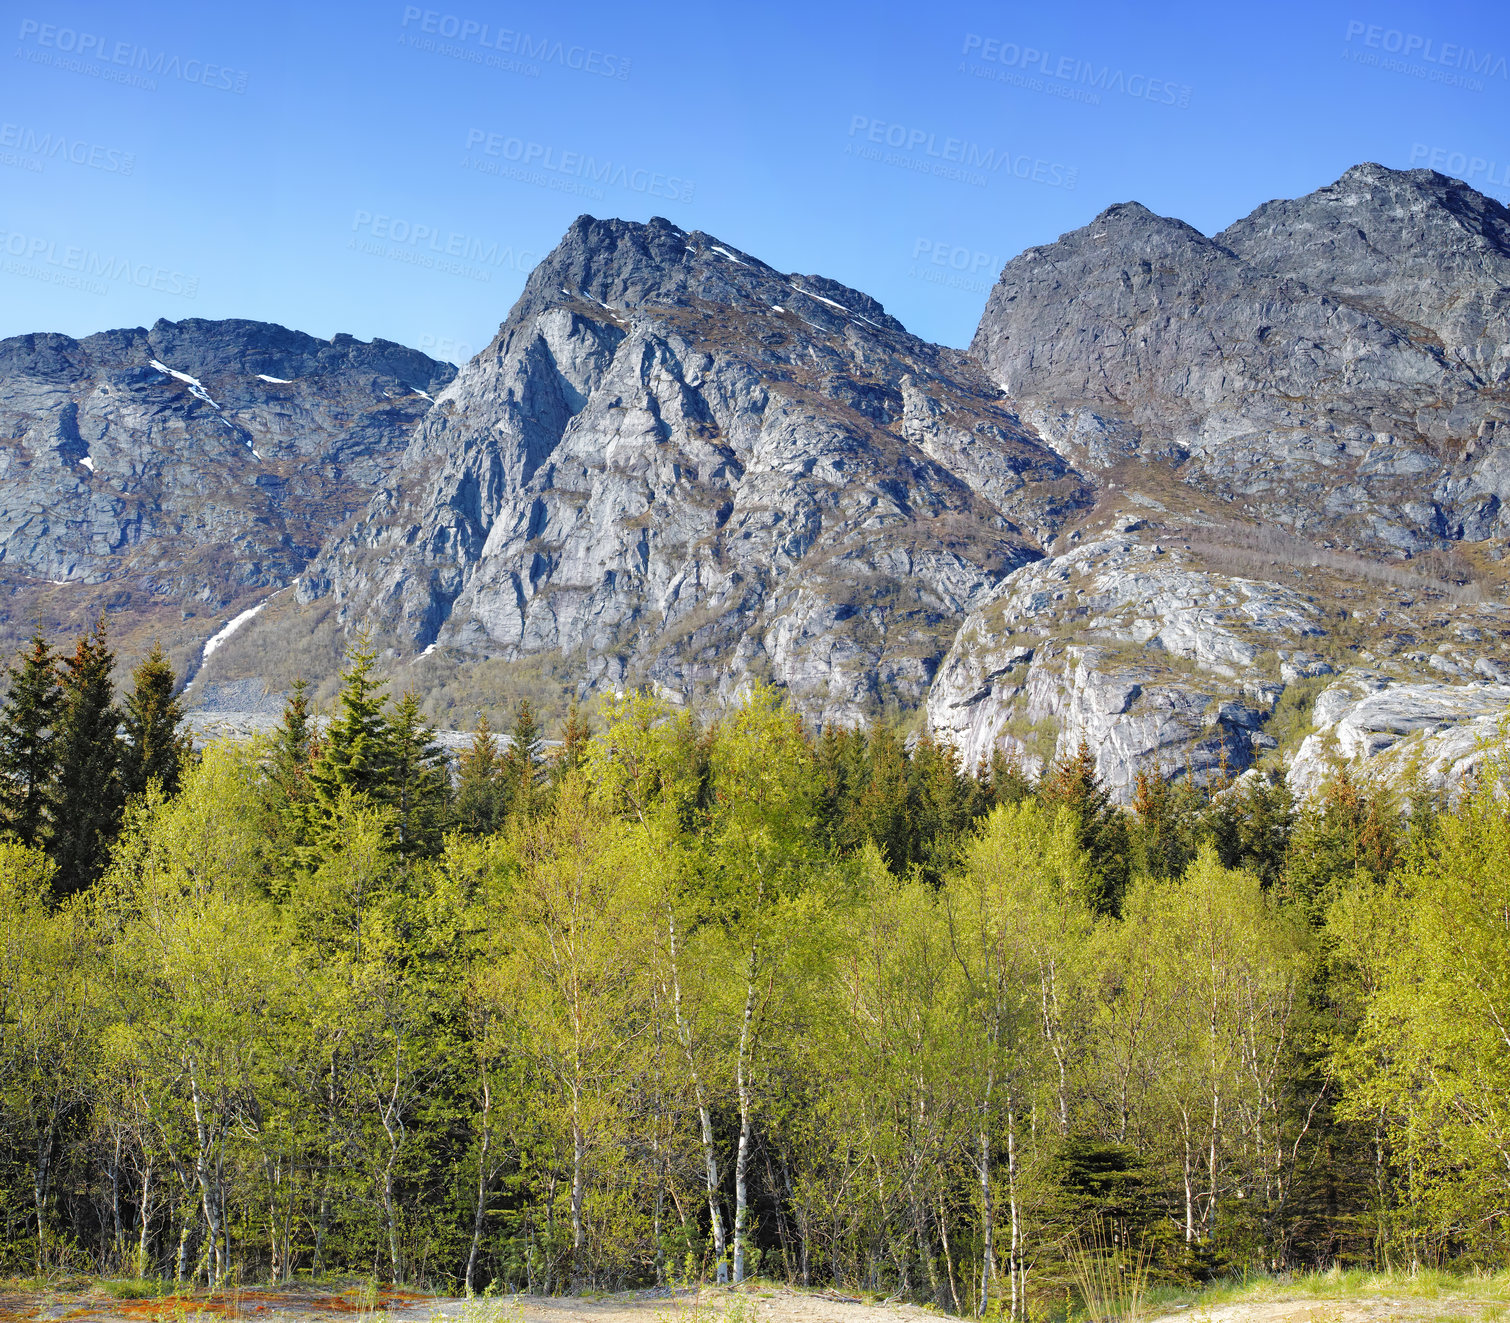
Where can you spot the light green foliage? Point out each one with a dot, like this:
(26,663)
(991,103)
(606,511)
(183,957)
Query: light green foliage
(1430,960)
(712,1000)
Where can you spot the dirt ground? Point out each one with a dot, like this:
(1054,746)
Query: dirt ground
(760,1305)
(1356,1309)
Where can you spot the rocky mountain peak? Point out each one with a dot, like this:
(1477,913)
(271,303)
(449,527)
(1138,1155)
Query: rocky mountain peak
(1410,245)
(627,265)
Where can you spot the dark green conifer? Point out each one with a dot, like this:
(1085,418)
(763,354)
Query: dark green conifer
(522,762)
(87,794)
(418,782)
(156,746)
(481,797)
(28,742)
(1074,783)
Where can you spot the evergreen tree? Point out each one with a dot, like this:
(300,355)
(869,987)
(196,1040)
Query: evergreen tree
(1004,779)
(943,806)
(1265,821)
(87,793)
(481,797)
(156,747)
(1348,831)
(418,781)
(574,739)
(1167,828)
(522,761)
(881,811)
(354,752)
(1102,831)
(28,742)
(287,764)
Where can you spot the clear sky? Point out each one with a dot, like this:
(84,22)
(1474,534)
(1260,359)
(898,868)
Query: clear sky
(395,170)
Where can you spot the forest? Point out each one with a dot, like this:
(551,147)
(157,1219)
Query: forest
(680,996)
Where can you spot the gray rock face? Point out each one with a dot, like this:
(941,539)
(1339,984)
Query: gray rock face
(1334,363)
(1446,731)
(1124,516)
(1154,664)
(675,465)
(188,466)
(1411,245)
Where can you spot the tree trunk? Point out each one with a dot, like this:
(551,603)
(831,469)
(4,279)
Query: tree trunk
(987,1261)
(1014,1262)
(746,1122)
(948,1257)
(206,1172)
(482,1183)
(704,1117)
(145,1217)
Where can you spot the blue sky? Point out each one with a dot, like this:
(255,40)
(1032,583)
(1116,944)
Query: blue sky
(395,170)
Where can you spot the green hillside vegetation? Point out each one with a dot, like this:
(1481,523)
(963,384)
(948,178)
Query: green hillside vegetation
(693,998)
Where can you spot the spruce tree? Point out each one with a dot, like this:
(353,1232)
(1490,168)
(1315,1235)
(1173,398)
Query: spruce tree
(287,763)
(156,745)
(1075,784)
(87,793)
(418,784)
(481,797)
(574,737)
(521,764)
(355,749)
(28,742)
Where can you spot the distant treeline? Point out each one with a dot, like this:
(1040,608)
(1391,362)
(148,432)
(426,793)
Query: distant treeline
(715,997)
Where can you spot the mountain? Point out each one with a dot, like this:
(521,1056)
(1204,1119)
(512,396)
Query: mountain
(170,475)
(1304,419)
(677,466)
(1198,501)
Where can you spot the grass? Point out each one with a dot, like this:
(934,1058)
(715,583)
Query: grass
(1338,1285)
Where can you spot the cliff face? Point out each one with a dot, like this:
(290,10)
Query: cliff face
(1297,409)
(168,474)
(675,465)
(1177,486)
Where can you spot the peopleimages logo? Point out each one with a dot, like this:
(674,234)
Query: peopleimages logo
(84,268)
(1447,57)
(948,157)
(73,48)
(1084,74)
(60,147)
(417,243)
(1480,171)
(472,32)
(525,158)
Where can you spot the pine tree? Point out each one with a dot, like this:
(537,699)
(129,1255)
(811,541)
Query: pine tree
(156,746)
(418,783)
(355,749)
(287,765)
(87,793)
(28,742)
(574,737)
(1075,784)
(480,793)
(521,764)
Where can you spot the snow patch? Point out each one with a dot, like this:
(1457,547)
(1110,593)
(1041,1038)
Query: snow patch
(776,307)
(719,249)
(277,381)
(88,462)
(820,298)
(195,385)
(418,391)
(235,623)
